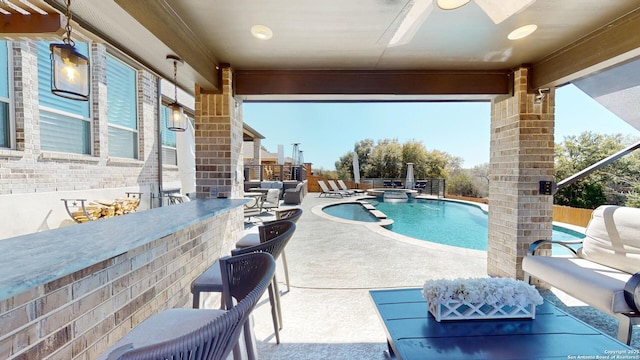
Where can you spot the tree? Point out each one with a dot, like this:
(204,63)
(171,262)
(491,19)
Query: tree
(439,164)
(344,166)
(612,184)
(461,184)
(388,159)
(385,160)
(414,152)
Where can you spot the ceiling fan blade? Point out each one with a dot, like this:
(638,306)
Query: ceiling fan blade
(451,4)
(500,10)
(412,17)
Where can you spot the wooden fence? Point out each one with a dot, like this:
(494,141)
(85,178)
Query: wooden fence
(569,215)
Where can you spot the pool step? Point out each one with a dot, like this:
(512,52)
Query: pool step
(377,213)
(368,206)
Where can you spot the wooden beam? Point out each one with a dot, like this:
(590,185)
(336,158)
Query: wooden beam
(163,22)
(357,82)
(34,25)
(612,44)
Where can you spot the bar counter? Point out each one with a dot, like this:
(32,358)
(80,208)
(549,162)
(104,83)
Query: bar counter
(70,292)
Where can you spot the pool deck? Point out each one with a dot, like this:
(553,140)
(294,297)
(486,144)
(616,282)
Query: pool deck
(334,263)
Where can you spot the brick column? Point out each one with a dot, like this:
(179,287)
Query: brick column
(521,149)
(257,154)
(218,141)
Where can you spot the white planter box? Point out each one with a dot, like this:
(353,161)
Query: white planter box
(459,310)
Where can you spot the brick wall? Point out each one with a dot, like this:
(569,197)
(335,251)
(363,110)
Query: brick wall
(33,181)
(521,148)
(218,142)
(80,315)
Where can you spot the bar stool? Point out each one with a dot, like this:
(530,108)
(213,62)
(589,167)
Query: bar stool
(255,238)
(202,333)
(210,280)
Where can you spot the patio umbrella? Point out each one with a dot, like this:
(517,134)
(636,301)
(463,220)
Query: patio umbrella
(186,153)
(410,181)
(356,168)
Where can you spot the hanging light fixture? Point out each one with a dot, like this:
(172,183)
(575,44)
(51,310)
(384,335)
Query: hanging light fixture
(69,68)
(178,121)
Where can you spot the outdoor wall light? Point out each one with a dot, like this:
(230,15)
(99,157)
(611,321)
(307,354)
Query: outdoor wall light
(177,121)
(542,93)
(69,68)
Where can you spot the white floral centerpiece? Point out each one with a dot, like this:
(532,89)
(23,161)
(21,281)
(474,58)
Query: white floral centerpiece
(481,298)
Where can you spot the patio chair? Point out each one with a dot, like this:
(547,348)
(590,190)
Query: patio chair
(272,200)
(202,333)
(325,190)
(264,234)
(295,195)
(335,187)
(210,280)
(253,207)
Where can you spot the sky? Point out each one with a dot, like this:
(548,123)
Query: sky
(327,131)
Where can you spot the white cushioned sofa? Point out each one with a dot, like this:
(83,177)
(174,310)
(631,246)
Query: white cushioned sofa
(604,272)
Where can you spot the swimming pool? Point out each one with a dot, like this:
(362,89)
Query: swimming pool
(444,222)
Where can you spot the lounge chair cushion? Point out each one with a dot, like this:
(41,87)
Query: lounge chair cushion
(613,239)
(597,285)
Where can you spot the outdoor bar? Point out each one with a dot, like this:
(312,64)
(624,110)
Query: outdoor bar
(72,291)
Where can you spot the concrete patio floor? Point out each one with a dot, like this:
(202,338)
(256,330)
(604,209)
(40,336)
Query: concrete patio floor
(333,264)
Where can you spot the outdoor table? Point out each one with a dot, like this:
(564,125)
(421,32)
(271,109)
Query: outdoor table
(413,333)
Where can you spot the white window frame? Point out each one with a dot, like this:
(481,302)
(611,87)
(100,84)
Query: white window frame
(136,131)
(69,115)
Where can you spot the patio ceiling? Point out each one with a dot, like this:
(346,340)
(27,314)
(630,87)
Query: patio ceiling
(340,49)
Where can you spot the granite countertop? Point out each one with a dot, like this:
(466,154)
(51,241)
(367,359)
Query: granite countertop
(32,260)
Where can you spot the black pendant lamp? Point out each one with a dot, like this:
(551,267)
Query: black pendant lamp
(178,120)
(69,68)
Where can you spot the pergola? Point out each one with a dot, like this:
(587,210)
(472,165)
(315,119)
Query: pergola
(369,50)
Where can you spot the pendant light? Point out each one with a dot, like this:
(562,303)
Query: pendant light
(177,121)
(69,68)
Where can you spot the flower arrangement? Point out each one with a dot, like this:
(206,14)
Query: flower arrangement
(480,298)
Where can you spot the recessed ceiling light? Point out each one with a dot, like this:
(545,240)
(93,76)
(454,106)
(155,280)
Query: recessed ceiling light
(522,32)
(451,4)
(261,32)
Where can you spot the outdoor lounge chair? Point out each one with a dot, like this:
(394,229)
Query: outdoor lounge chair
(335,187)
(326,192)
(344,187)
(202,334)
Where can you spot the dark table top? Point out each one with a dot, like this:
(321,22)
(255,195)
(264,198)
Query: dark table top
(413,333)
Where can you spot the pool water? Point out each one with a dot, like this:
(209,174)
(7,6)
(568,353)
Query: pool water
(444,222)
(350,211)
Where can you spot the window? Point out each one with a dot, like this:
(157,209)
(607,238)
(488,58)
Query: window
(122,109)
(4,95)
(64,124)
(169,153)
